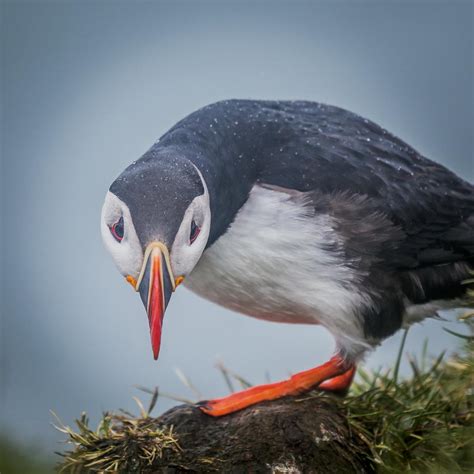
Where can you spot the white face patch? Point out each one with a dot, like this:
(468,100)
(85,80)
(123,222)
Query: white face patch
(127,254)
(184,254)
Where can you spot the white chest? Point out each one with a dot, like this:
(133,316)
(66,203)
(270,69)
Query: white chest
(277,262)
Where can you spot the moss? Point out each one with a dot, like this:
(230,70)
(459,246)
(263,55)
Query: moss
(421,424)
(121,443)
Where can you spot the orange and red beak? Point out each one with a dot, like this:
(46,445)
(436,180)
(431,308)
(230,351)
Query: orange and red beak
(155,284)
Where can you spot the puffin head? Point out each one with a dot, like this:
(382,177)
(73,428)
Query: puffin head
(155,223)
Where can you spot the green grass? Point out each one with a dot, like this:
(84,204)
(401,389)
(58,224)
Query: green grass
(422,424)
(121,443)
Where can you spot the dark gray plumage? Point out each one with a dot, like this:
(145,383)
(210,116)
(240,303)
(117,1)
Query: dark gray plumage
(408,223)
(294,212)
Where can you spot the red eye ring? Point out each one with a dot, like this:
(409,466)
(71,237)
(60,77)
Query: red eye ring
(117,230)
(195,230)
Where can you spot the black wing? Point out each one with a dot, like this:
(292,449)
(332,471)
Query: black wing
(331,152)
(408,222)
(335,153)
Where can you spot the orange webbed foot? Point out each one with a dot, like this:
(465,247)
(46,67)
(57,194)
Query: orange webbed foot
(336,372)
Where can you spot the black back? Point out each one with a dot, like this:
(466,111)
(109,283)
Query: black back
(408,222)
(308,146)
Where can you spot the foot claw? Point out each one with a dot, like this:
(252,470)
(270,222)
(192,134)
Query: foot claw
(201,403)
(206,407)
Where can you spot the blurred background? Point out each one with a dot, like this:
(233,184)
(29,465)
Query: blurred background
(87,87)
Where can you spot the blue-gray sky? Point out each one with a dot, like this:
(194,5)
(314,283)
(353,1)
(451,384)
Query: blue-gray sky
(87,87)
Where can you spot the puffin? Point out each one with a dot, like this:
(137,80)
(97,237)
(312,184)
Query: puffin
(293,212)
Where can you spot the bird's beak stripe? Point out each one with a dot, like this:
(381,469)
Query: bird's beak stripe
(155,285)
(164,251)
(156,301)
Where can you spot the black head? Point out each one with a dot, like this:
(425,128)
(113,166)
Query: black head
(155,223)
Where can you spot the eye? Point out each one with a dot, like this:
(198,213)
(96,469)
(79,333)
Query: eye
(195,229)
(117,230)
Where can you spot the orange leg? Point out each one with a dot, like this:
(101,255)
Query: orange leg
(340,383)
(332,371)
